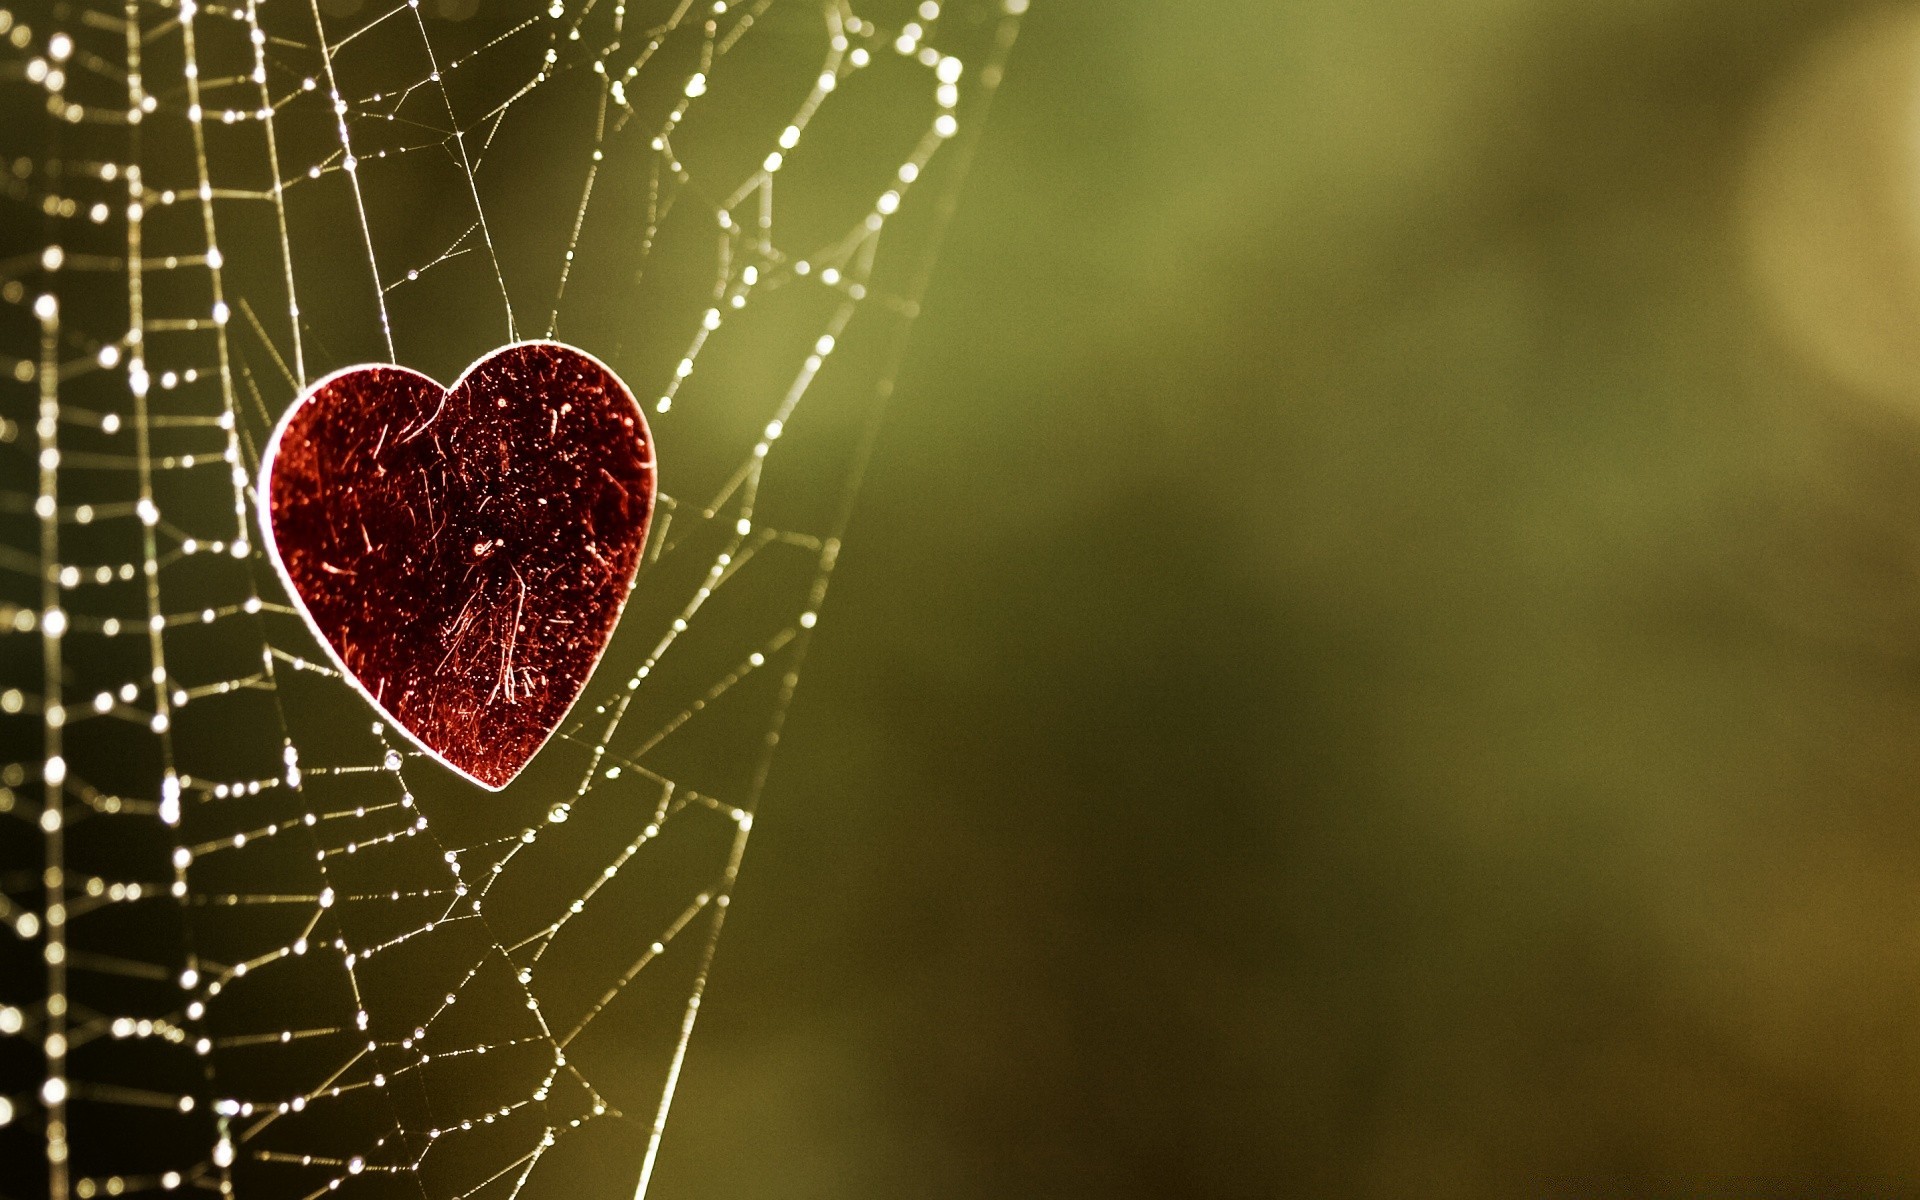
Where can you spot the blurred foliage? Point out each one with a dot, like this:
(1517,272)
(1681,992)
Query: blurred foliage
(1368,666)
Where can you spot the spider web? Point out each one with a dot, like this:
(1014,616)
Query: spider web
(250,940)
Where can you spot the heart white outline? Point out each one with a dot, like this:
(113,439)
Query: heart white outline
(270,454)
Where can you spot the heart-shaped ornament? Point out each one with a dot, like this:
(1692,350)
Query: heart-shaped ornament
(463,553)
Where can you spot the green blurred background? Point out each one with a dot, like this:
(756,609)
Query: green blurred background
(1373,660)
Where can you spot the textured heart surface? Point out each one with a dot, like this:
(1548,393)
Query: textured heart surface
(464,552)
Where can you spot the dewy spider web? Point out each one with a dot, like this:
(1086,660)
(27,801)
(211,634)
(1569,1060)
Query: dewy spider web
(251,942)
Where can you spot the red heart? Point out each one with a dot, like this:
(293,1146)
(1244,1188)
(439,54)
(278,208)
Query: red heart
(463,553)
